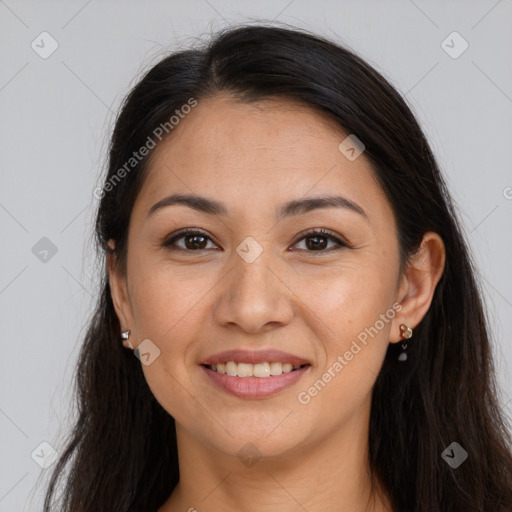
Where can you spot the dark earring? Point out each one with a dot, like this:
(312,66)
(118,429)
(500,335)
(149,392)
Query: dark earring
(406,333)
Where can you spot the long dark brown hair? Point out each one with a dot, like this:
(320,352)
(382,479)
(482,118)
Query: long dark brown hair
(122,455)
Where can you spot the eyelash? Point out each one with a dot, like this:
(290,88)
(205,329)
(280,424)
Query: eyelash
(168,244)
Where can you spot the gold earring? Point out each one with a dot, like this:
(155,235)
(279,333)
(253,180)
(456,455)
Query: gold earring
(406,333)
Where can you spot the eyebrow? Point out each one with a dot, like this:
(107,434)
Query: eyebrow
(291,208)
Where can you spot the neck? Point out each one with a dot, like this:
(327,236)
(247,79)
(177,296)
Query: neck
(332,474)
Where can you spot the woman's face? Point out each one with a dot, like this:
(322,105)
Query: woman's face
(252,281)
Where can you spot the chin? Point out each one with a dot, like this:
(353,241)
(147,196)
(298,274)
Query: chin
(272,435)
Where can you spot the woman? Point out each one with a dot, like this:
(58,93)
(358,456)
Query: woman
(284,260)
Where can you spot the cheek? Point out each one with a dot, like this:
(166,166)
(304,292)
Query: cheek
(353,352)
(167,310)
(349,299)
(167,302)
(353,309)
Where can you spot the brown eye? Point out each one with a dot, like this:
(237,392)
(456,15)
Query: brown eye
(192,241)
(318,241)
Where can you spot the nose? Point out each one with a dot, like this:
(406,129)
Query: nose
(254,297)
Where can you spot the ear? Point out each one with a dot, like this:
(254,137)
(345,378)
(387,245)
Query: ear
(418,284)
(120,296)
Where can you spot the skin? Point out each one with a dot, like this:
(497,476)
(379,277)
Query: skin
(309,302)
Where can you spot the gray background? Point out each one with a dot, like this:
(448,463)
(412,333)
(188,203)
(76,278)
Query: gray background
(56,114)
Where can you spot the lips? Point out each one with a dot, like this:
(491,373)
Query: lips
(254,374)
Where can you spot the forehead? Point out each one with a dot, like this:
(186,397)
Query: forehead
(256,154)
(224,125)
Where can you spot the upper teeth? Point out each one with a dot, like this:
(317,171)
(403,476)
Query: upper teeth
(253,370)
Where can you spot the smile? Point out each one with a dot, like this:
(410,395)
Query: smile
(260,370)
(251,386)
